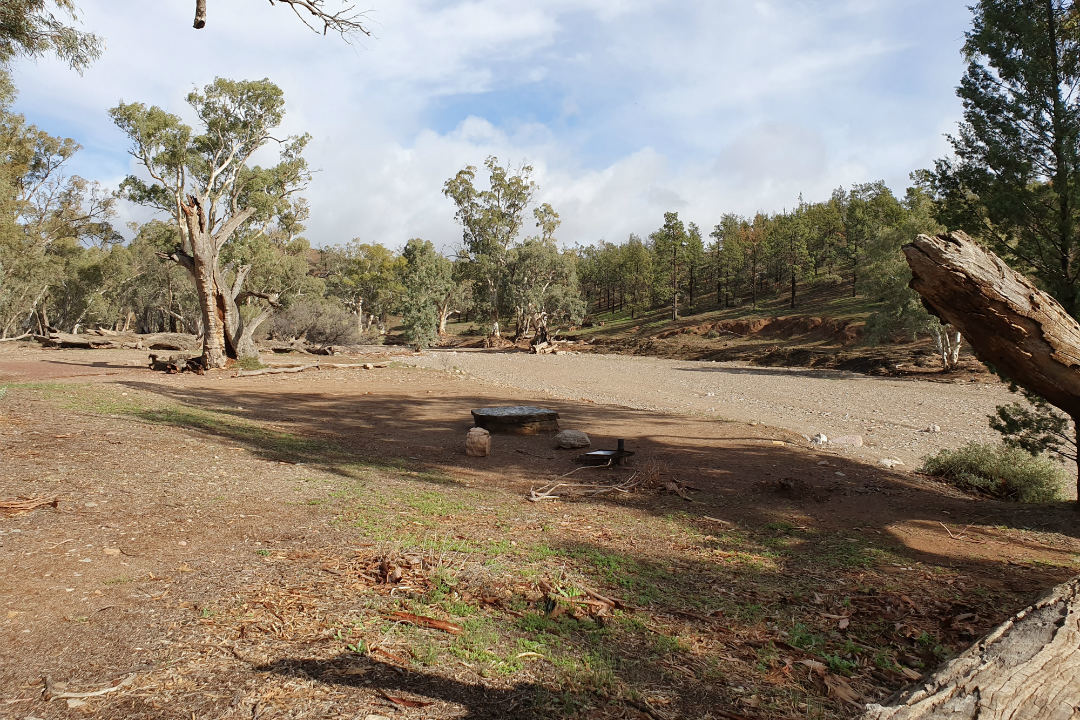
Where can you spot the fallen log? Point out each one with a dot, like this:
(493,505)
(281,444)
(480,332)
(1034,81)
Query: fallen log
(1011,324)
(275,370)
(1027,668)
(177,364)
(77,342)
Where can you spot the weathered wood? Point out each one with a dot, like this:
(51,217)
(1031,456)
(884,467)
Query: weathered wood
(1011,324)
(175,364)
(275,370)
(1026,669)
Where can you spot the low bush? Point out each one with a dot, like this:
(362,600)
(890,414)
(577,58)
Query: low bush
(998,471)
(320,321)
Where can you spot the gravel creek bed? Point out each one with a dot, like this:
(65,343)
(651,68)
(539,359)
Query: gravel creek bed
(890,415)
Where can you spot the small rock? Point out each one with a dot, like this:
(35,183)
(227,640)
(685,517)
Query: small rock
(368,366)
(570,439)
(111,551)
(852,440)
(478,442)
(933,428)
(819,439)
(890,462)
(840,474)
(73,703)
(376,717)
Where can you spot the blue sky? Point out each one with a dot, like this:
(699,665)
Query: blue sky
(625,108)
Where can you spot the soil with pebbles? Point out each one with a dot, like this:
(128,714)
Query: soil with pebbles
(891,416)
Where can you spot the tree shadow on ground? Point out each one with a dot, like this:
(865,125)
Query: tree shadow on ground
(750,478)
(481,702)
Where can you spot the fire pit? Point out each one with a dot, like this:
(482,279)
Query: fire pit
(516,419)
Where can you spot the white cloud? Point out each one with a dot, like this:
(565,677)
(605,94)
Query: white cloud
(630,107)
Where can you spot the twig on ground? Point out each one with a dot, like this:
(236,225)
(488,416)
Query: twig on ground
(569,489)
(961,535)
(55,691)
(25,505)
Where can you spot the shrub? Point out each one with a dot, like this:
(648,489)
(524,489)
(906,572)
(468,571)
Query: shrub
(999,471)
(320,321)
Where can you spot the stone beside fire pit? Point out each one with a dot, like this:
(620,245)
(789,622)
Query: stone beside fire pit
(516,419)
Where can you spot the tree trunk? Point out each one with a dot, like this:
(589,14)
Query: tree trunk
(204,269)
(1027,668)
(1023,332)
(1009,323)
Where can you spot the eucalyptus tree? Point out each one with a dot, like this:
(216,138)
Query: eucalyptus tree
(204,181)
(542,282)
(47,218)
(366,278)
(429,288)
(491,219)
(30,28)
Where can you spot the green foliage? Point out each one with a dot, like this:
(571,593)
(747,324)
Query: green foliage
(30,28)
(237,223)
(365,278)
(902,314)
(429,283)
(998,471)
(490,219)
(47,220)
(320,320)
(1034,426)
(1015,179)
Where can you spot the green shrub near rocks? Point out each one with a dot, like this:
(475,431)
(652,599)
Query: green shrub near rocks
(998,471)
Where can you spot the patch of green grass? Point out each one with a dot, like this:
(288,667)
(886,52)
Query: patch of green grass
(276,444)
(804,638)
(435,504)
(666,644)
(249,362)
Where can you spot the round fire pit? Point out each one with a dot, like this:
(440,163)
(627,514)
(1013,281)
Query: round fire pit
(516,419)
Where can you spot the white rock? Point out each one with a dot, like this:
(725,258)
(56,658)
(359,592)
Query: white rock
(819,439)
(570,439)
(933,428)
(890,462)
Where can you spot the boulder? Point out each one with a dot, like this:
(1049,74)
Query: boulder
(571,439)
(478,442)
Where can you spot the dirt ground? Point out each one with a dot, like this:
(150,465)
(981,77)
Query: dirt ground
(318,545)
(889,416)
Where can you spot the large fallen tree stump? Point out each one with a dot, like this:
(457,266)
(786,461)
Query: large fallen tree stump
(1026,669)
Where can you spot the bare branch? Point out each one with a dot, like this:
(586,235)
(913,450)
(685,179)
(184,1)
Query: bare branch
(345,22)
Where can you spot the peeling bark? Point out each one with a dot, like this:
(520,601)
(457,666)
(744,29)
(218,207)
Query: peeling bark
(1020,330)
(1028,668)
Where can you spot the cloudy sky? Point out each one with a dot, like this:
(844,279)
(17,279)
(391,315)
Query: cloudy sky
(625,108)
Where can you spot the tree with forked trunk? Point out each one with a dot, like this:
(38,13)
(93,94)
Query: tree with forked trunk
(204,182)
